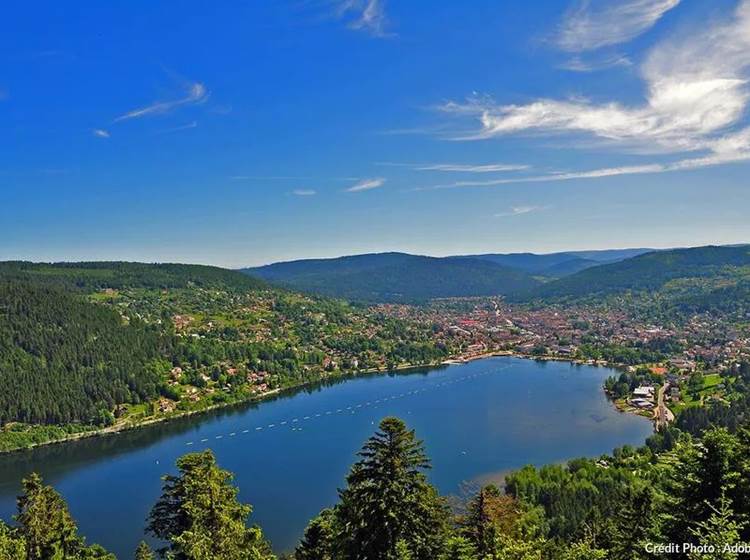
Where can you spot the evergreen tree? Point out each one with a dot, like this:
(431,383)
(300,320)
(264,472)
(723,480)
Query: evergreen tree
(94,552)
(45,522)
(317,542)
(718,531)
(46,529)
(402,551)
(510,548)
(12,546)
(489,514)
(200,516)
(633,525)
(706,471)
(388,499)
(583,550)
(459,548)
(144,552)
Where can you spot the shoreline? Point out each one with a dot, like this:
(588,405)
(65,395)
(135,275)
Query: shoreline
(256,399)
(260,398)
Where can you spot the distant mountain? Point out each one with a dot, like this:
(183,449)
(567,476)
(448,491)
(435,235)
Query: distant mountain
(555,265)
(696,274)
(568,267)
(396,277)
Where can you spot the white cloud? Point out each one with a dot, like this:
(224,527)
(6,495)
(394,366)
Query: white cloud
(367,15)
(100,133)
(196,93)
(592,25)
(304,192)
(736,150)
(519,210)
(366,185)
(593,64)
(461,168)
(696,100)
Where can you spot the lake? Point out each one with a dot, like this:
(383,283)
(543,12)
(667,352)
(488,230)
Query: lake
(290,454)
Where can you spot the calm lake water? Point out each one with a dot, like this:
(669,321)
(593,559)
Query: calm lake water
(477,420)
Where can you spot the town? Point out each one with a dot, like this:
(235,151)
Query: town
(669,367)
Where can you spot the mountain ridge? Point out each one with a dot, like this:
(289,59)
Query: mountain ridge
(395,277)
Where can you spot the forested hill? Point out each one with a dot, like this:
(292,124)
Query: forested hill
(93,345)
(396,277)
(64,359)
(704,275)
(92,276)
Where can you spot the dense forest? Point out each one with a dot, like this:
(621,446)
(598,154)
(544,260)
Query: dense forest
(693,280)
(65,360)
(693,490)
(87,346)
(396,277)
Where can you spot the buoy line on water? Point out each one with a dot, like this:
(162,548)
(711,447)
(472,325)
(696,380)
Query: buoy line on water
(348,410)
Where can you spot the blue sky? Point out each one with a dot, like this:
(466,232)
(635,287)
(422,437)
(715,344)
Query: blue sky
(251,132)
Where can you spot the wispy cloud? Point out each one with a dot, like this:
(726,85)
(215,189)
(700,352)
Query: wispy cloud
(187,126)
(593,64)
(100,133)
(366,185)
(696,101)
(196,93)
(591,25)
(680,165)
(365,15)
(304,192)
(288,178)
(519,210)
(462,168)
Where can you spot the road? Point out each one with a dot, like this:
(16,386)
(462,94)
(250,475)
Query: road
(662,415)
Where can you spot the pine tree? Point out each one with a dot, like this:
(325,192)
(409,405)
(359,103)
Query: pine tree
(583,550)
(200,516)
(489,514)
(718,531)
(12,546)
(143,552)
(388,499)
(706,471)
(317,542)
(45,522)
(459,548)
(633,525)
(402,551)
